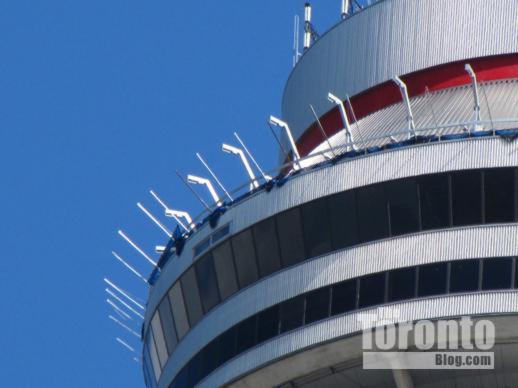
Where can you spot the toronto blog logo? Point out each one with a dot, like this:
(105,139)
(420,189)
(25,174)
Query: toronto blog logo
(391,343)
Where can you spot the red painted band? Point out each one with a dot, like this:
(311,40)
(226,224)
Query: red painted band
(385,94)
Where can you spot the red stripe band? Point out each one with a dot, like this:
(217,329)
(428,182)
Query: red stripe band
(385,94)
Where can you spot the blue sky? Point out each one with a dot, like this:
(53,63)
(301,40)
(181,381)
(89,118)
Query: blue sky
(101,101)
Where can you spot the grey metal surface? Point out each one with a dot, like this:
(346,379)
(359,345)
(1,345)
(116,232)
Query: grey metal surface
(395,37)
(454,244)
(503,302)
(388,165)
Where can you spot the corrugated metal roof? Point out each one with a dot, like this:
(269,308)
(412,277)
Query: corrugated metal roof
(395,37)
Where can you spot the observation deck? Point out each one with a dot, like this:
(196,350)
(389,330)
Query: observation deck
(412,204)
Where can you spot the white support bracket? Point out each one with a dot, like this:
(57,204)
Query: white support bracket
(474,85)
(282,124)
(409,115)
(238,152)
(349,139)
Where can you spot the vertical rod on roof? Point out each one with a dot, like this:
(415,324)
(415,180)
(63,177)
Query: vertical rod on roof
(154,219)
(404,94)
(136,247)
(266,177)
(213,175)
(322,130)
(296,34)
(474,85)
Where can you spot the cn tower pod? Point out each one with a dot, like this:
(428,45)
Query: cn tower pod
(426,44)
(395,207)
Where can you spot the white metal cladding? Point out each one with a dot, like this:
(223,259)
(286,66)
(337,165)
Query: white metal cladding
(397,252)
(349,174)
(500,302)
(395,37)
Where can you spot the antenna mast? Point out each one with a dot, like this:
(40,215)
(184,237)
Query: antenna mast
(307,25)
(296,34)
(310,34)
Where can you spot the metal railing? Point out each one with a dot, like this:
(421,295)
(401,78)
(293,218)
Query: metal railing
(365,147)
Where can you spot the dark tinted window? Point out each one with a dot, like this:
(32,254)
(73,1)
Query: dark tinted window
(497,274)
(246,334)
(434,199)
(516,273)
(292,313)
(166,316)
(265,324)
(268,324)
(195,370)
(227,345)
(191,296)
(372,290)
(225,270)
(207,282)
(403,206)
(267,247)
(210,355)
(180,380)
(464,275)
(289,227)
(466,197)
(432,279)
(315,223)
(244,257)
(342,219)
(317,305)
(500,195)
(402,284)
(344,297)
(372,213)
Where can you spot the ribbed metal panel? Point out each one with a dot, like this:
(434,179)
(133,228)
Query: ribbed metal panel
(405,162)
(395,37)
(503,302)
(437,111)
(422,248)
